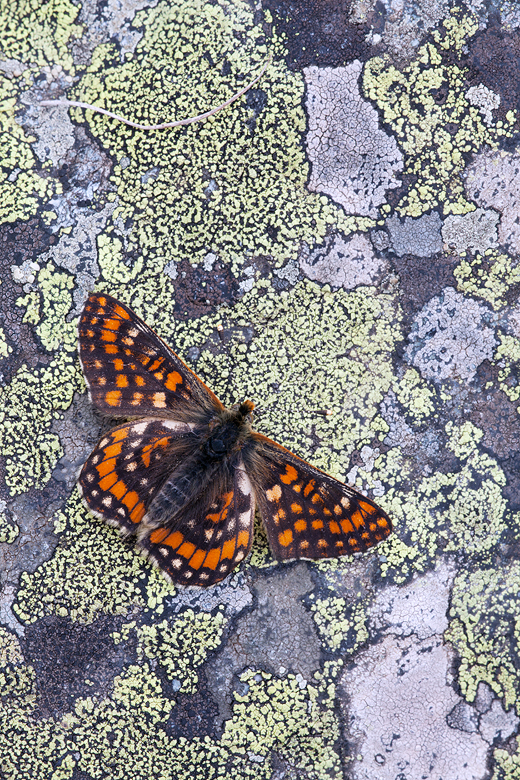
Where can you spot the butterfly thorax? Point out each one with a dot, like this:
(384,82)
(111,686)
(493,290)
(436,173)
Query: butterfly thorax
(228,431)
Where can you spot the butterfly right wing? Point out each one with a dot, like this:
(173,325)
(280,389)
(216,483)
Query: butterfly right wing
(309,514)
(130,371)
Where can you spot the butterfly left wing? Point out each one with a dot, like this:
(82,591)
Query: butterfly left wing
(130,370)
(309,514)
(209,537)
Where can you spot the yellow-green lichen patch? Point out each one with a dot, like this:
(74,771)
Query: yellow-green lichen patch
(312,351)
(124,735)
(182,646)
(461,510)
(485,631)
(21,188)
(36,32)
(93,571)
(506,764)
(507,358)
(489,277)
(9,529)
(234,185)
(435,135)
(416,396)
(340,623)
(48,307)
(29,404)
(290,717)
(16,679)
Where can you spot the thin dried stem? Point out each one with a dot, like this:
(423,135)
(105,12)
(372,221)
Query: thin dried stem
(164,125)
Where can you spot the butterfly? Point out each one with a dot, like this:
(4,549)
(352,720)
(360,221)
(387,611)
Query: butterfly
(185,473)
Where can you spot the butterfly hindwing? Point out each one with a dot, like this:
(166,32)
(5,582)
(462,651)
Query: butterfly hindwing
(130,370)
(308,514)
(203,545)
(128,467)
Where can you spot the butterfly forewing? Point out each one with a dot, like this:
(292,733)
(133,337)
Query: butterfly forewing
(308,514)
(129,370)
(203,544)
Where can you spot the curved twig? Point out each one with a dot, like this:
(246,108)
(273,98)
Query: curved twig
(164,125)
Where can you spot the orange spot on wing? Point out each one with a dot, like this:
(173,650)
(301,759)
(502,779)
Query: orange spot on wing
(130,500)
(228,548)
(285,538)
(296,509)
(357,518)
(119,489)
(212,558)
(112,324)
(309,487)
(120,312)
(158,363)
(107,335)
(113,397)
(137,398)
(137,513)
(334,527)
(317,524)
(197,559)
(121,380)
(186,550)
(172,380)
(111,349)
(139,381)
(300,525)
(118,364)
(346,526)
(368,508)
(290,475)
(174,539)
(243,538)
(119,435)
(106,466)
(107,482)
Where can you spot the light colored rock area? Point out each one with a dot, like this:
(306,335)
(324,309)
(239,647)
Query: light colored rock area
(451,336)
(421,237)
(404,717)
(352,159)
(493,181)
(476,231)
(343,262)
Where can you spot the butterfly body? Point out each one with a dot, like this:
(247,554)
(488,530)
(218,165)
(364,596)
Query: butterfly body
(186,476)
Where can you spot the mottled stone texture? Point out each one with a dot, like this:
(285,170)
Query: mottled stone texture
(342,246)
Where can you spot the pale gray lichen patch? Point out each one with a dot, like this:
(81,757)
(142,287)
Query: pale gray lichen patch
(400,691)
(352,159)
(343,262)
(475,231)
(421,237)
(485,100)
(403,23)
(493,181)
(419,608)
(450,337)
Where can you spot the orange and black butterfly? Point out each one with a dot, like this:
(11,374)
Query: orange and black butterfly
(186,476)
